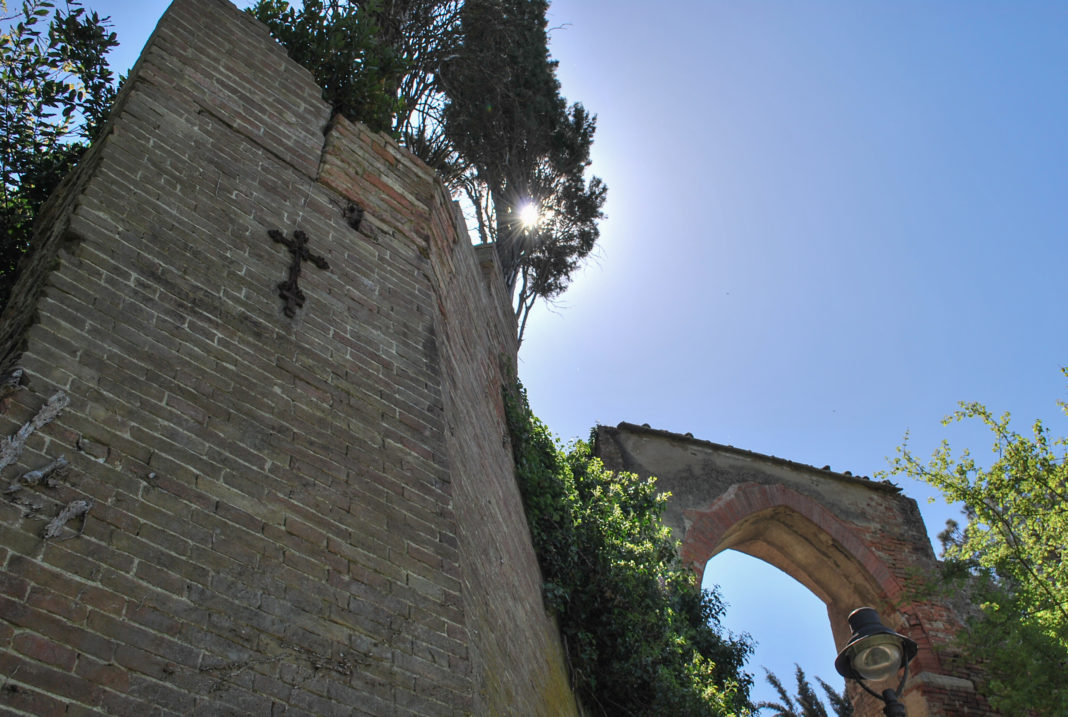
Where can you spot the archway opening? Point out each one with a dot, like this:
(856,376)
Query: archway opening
(787,622)
(817,575)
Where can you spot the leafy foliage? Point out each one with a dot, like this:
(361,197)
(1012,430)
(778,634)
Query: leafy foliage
(373,59)
(57,90)
(642,638)
(469,87)
(808,704)
(1009,558)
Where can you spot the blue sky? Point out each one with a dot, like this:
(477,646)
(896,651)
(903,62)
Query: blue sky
(828,222)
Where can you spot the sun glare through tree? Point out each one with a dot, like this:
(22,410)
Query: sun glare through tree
(529,216)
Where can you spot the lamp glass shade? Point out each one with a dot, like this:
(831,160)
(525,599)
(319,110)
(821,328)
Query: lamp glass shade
(876,660)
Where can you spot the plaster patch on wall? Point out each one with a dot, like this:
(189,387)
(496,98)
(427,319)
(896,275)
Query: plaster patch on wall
(11,448)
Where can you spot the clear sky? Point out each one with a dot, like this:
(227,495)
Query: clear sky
(828,222)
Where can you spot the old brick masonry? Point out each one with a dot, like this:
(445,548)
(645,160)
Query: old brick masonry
(312,515)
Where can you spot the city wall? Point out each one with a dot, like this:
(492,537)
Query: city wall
(285,488)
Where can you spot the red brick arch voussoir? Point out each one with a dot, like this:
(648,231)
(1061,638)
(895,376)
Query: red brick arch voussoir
(708,527)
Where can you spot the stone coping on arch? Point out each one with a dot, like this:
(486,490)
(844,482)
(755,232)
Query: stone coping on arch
(825,471)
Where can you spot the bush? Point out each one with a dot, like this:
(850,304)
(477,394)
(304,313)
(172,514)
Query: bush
(641,637)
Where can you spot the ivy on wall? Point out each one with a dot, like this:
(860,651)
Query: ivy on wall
(641,637)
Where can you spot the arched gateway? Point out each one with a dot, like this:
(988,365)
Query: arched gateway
(852,541)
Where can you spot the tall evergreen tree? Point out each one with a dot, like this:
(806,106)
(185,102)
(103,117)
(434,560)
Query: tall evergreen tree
(526,147)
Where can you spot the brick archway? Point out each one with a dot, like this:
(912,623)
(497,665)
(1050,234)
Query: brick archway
(851,541)
(802,538)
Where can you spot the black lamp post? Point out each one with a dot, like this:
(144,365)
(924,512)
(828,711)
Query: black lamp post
(875,653)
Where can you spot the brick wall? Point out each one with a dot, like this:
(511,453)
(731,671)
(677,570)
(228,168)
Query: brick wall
(286,515)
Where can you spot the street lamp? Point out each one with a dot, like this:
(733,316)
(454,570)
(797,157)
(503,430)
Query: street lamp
(875,653)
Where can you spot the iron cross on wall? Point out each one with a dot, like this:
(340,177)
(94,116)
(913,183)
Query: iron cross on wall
(298,247)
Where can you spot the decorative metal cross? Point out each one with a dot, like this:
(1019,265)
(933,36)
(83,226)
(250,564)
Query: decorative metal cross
(289,289)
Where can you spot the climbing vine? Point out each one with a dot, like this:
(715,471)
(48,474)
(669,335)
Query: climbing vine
(641,637)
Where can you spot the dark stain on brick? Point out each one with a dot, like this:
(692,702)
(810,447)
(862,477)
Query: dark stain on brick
(353,215)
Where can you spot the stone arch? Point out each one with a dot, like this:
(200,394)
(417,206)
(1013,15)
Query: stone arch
(851,541)
(798,536)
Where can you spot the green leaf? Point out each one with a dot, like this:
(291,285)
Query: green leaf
(1008,560)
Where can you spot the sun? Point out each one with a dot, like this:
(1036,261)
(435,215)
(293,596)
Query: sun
(529,216)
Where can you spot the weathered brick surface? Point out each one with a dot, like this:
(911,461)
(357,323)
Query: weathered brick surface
(852,541)
(312,515)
